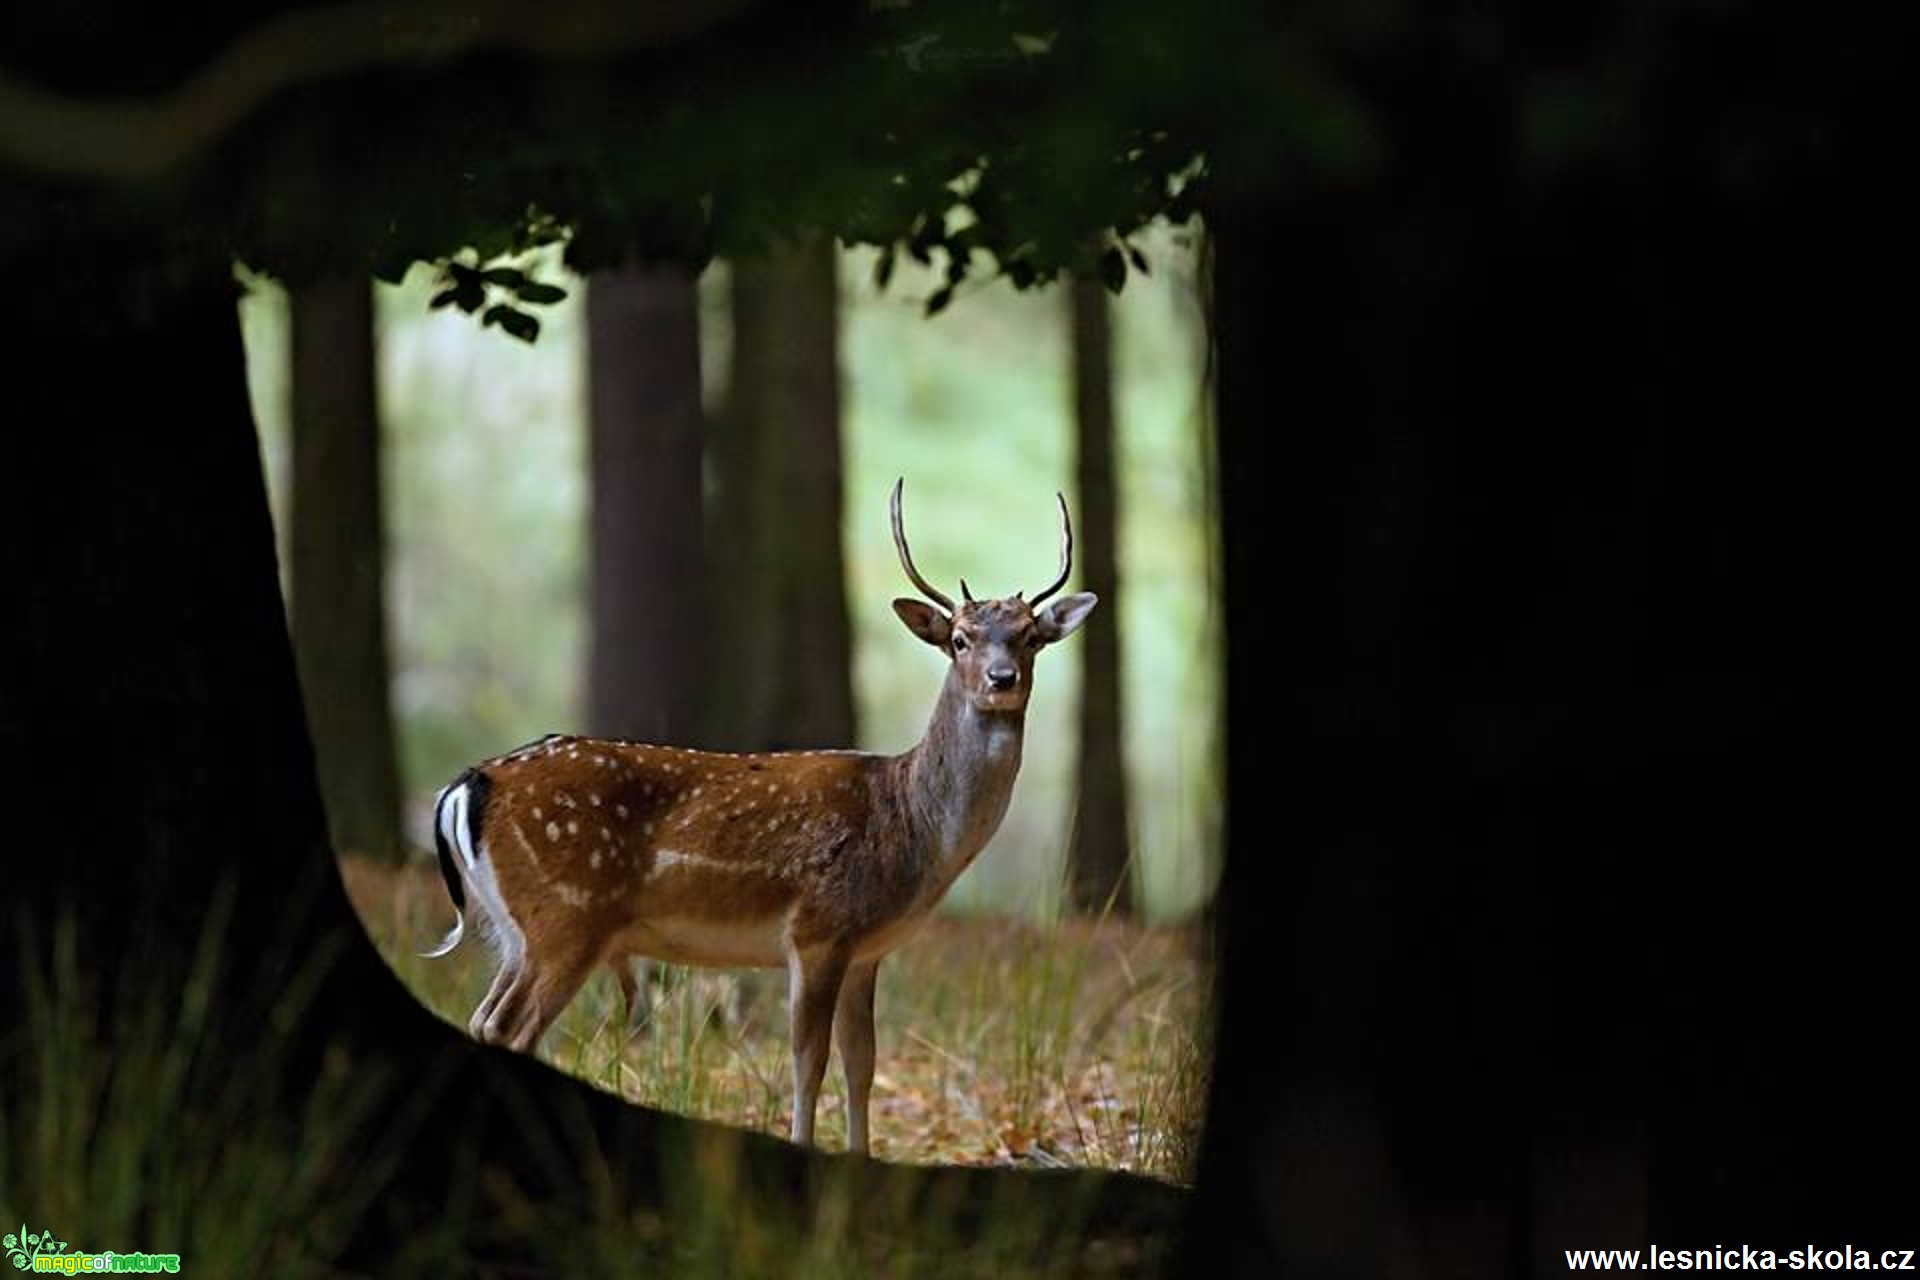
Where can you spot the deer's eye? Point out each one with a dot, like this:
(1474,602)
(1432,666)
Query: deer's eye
(1033,640)
(959,643)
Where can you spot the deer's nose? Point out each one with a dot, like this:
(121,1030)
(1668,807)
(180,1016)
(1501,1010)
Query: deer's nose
(1003,677)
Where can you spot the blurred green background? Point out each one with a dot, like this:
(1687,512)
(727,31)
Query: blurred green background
(486,491)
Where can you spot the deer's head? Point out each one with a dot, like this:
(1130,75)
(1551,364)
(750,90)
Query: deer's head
(992,643)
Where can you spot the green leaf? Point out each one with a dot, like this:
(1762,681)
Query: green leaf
(1138,259)
(1113,270)
(506,277)
(444,298)
(518,323)
(883,268)
(939,300)
(540,294)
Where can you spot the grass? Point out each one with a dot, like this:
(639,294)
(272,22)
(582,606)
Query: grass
(1002,1042)
(155,1118)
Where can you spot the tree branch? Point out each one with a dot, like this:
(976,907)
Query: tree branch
(130,140)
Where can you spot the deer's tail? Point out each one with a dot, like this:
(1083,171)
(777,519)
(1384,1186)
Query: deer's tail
(456,826)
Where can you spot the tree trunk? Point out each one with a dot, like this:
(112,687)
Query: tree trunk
(337,550)
(649,612)
(152,735)
(1562,764)
(783,646)
(1100,853)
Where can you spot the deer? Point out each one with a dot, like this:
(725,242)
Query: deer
(583,852)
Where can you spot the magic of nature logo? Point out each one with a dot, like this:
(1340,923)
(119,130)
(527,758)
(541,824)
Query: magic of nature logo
(39,1251)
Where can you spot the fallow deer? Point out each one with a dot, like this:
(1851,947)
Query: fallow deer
(583,852)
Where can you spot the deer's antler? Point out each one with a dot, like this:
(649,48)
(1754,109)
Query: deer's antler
(906,557)
(1066,552)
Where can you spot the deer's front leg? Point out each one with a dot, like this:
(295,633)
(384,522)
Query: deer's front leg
(813,986)
(853,1029)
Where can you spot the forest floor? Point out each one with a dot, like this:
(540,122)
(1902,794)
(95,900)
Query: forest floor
(1001,1042)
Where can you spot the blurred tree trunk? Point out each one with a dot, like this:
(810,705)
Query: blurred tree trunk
(1099,855)
(649,613)
(783,675)
(338,575)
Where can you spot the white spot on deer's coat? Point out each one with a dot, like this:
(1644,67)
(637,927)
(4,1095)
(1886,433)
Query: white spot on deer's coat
(594,800)
(675,858)
(553,831)
(573,828)
(620,809)
(526,846)
(594,860)
(537,815)
(571,894)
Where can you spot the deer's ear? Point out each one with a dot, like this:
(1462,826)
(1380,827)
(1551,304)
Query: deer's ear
(1063,617)
(924,620)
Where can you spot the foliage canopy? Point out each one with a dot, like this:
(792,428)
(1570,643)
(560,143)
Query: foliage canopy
(1023,138)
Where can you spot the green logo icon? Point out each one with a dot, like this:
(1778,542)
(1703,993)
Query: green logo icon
(24,1247)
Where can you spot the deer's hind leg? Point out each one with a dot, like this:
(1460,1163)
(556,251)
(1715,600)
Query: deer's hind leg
(548,978)
(634,976)
(502,979)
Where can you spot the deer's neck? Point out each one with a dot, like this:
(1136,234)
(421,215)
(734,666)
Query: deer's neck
(960,777)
